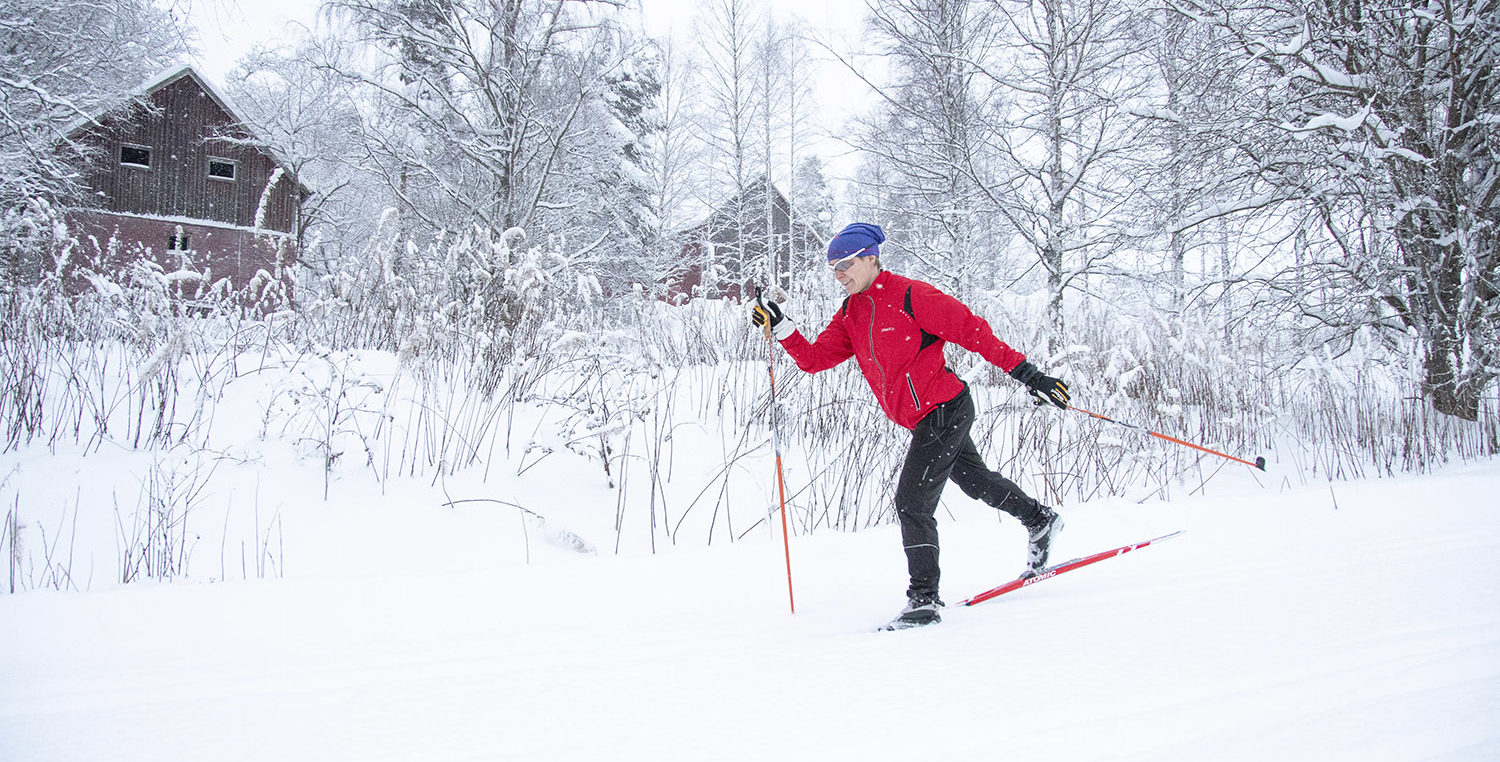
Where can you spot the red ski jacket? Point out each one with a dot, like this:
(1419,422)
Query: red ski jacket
(896,329)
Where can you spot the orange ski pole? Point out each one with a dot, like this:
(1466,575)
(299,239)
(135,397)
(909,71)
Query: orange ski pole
(1260,461)
(786,542)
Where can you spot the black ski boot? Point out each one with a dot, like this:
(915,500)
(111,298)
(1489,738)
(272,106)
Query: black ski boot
(921,610)
(1041,530)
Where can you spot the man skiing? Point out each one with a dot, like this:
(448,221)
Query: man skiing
(896,328)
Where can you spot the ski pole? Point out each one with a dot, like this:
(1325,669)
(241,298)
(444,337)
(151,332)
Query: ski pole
(786,542)
(1260,461)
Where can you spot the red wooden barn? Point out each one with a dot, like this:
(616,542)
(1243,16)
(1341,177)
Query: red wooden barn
(177,177)
(751,238)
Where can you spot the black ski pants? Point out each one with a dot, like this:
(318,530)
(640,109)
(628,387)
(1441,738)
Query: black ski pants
(941,449)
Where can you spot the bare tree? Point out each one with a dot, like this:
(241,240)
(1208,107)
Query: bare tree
(784,88)
(488,99)
(1063,177)
(727,34)
(310,118)
(798,109)
(1199,165)
(1385,112)
(928,130)
(773,80)
(672,154)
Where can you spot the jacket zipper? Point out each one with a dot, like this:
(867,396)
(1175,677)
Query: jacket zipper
(872,348)
(913,388)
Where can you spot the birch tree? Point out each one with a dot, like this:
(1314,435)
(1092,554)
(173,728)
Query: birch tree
(798,108)
(727,32)
(927,132)
(1063,178)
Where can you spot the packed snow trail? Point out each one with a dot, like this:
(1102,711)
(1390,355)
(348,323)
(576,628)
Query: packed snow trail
(1279,627)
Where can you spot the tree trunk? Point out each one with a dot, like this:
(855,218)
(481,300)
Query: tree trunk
(1450,393)
(1052,253)
(1450,351)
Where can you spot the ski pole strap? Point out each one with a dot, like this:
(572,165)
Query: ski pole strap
(1259,462)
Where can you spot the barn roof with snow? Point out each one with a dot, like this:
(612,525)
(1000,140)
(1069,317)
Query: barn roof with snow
(173,168)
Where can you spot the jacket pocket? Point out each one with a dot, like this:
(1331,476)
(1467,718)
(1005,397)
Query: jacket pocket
(912,387)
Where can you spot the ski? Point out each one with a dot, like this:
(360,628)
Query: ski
(1053,571)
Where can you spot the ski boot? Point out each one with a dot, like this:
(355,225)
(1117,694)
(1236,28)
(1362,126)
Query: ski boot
(921,610)
(1041,531)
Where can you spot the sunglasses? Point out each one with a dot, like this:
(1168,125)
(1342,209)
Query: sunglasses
(844,263)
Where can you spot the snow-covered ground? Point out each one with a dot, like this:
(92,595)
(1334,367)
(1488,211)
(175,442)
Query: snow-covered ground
(1357,622)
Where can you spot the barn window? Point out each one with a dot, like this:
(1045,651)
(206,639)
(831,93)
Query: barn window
(221,169)
(135,156)
(178,242)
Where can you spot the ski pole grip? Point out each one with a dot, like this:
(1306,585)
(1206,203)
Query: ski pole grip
(766,329)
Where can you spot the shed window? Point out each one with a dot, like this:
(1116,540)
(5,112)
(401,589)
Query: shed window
(222,169)
(135,156)
(178,242)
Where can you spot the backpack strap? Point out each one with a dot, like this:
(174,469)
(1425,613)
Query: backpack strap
(928,339)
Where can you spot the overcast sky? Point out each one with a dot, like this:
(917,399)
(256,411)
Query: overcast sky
(228,29)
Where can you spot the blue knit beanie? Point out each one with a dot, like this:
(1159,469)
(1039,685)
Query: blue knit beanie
(861,237)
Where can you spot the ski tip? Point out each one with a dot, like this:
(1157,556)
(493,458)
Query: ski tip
(1260,462)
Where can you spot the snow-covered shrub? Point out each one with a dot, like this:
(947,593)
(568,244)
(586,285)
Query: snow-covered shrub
(96,348)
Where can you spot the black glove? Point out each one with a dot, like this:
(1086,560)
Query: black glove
(1043,387)
(764,312)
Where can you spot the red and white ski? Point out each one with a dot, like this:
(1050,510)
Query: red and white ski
(1053,571)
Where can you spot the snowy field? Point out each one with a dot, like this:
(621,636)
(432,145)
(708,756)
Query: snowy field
(1360,622)
(450,479)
